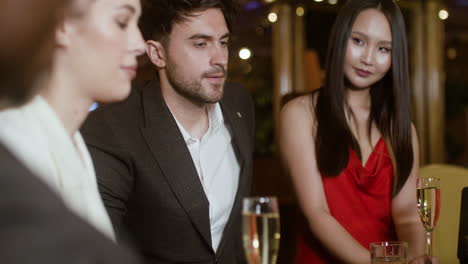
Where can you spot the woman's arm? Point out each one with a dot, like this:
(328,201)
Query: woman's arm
(297,146)
(404,209)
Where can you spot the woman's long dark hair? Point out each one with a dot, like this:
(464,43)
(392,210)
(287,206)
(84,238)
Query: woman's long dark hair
(390,98)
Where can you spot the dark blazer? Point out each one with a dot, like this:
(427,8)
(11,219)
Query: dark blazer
(149,183)
(36,227)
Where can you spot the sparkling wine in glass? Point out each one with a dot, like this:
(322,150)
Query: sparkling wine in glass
(428,193)
(261,229)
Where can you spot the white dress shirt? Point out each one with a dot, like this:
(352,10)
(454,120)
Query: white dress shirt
(37,137)
(217,167)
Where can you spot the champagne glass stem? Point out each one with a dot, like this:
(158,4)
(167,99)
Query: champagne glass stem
(429,243)
(265,241)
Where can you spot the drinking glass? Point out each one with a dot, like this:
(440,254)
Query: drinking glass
(389,252)
(260,229)
(428,193)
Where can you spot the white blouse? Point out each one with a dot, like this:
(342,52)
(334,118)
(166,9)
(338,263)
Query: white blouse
(36,135)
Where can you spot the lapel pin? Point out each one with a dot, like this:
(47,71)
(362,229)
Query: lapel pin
(239,115)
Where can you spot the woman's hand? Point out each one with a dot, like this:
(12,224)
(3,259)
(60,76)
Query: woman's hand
(425,260)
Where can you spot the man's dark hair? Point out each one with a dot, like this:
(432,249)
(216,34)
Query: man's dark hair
(159,16)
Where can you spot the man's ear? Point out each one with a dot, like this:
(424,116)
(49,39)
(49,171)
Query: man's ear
(156,53)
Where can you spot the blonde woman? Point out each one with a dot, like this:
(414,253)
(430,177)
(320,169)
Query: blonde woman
(95,60)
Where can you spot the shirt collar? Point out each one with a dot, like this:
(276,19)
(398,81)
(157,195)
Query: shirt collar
(215,121)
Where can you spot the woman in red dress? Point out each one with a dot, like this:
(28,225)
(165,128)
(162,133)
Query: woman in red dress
(350,147)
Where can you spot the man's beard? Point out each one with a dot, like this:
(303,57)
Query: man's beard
(193,89)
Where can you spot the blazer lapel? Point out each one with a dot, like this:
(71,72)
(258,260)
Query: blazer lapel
(241,147)
(174,159)
(240,132)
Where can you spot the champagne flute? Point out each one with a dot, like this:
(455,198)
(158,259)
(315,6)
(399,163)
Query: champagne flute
(428,193)
(260,229)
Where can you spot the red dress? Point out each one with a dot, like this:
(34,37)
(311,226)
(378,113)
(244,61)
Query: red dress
(360,199)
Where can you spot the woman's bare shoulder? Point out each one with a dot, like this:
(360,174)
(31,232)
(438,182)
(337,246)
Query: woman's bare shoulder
(300,109)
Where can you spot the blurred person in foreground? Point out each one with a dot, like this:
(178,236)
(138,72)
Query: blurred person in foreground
(350,146)
(174,160)
(35,225)
(95,50)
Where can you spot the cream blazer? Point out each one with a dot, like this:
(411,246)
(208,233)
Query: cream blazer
(35,134)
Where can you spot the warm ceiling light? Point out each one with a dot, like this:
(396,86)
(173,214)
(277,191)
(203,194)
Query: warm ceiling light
(332,2)
(300,11)
(245,53)
(318,0)
(272,17)
(452,53)
(443,14)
